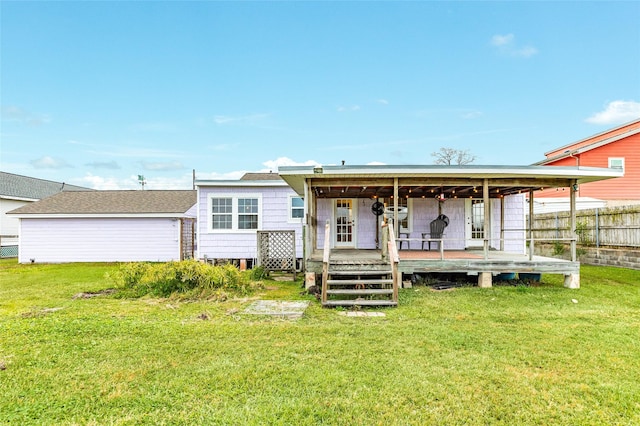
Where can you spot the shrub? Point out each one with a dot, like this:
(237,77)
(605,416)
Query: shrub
(184,277)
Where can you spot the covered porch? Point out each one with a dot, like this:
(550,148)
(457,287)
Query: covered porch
(362,215)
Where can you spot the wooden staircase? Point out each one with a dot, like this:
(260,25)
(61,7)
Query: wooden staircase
(361,282)
(359,287)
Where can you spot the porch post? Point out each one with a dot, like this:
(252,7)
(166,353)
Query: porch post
(531,224)
(306,248)
(395,207)
(487,216)
(572,219)
(573,280)
(502,223)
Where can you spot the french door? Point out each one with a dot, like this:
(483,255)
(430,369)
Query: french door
(344,223)
(474,217)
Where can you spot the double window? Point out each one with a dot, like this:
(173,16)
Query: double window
(240,213)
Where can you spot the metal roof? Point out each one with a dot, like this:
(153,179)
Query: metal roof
(97,203)
(30,189)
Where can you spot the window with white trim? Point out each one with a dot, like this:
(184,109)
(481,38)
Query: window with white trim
(296,208)
(616,163)
(241,213)
(221,213)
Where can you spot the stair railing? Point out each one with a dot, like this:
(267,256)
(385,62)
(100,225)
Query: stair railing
(325,259)
(394,259)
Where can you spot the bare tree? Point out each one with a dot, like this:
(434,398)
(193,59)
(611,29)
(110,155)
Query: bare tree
(449,156)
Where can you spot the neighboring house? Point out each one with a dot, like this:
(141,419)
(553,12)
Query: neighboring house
(231,212)
(107,226)
(17,191)
(617,148)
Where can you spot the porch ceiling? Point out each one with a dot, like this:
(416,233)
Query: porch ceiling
(427,188)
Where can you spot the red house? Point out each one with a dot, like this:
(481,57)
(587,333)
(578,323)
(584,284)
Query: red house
(614,148)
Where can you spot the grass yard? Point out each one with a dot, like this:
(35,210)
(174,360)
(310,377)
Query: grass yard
(505,355)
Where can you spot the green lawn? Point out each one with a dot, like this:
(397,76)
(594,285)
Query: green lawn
(505,355)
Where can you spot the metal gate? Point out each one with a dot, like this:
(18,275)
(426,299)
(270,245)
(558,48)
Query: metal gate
(277,251)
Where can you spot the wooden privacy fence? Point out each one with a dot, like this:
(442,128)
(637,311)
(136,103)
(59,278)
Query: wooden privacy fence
(601,227)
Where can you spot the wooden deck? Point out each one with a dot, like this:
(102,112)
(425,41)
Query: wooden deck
(471,262)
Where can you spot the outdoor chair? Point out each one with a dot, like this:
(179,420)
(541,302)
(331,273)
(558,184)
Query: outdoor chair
(436,230)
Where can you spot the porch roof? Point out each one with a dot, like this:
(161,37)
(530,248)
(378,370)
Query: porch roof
(370,181)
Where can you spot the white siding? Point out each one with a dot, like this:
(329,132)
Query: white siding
(514,220)
(99,240)
(455,233)
(9,224)
(243,244)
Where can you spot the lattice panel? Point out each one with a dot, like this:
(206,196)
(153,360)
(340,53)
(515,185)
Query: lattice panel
(277,250)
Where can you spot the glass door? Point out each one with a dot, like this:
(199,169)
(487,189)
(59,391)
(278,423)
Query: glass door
(344,229)
(474,213)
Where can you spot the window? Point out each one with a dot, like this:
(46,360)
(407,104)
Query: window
(221,210)
(247,213)
(616,163)
(296,209)
(405,224)
(235,213)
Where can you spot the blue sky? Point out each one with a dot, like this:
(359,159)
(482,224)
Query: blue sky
(97,93)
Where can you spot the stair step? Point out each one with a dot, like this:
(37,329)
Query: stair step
(360,303)
(388,281)
(369,272)
(361,292)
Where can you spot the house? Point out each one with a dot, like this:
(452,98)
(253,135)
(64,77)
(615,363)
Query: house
(231,214)
(348,243)
(617,148)
(17,191)
(107,226)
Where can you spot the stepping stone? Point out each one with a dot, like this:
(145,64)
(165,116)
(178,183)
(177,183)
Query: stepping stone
(278,308)
(362,314)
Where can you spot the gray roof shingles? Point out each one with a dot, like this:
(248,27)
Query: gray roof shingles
(113,202)
(26,187)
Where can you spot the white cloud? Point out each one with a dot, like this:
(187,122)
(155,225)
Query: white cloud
(348,108)
(272,165)
(506,44)
(16,114)
(111,183)
(47,162)
(104,183)
(502,40)
(235,175)
(616,112)
(248,120)
(383,101)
